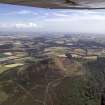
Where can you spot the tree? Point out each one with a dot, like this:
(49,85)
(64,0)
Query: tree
(103,97)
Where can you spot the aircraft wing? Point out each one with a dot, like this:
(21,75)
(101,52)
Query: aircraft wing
(40,3)
(65,4)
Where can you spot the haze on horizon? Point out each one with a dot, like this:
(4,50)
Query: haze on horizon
(21,18)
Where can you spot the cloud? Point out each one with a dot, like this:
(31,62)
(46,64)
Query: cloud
(76,24)
(18,25)
(19,12)
(26,25)
(61,20)
(24,12)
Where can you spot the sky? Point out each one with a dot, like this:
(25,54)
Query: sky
(22,18)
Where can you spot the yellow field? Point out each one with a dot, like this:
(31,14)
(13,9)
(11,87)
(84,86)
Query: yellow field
(13,65)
